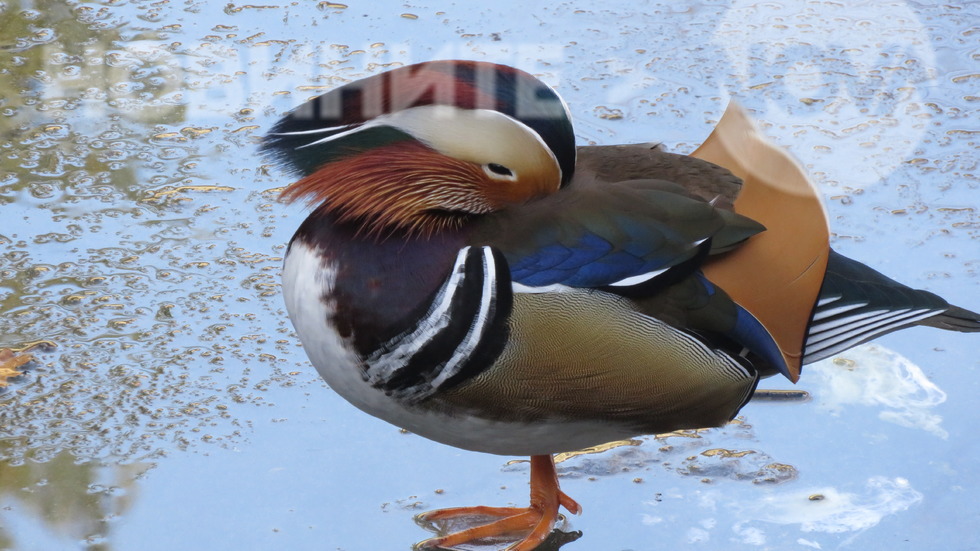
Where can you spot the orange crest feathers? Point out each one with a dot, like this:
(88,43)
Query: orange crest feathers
(402,186)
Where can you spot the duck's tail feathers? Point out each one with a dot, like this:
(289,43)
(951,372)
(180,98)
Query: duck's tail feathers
(955,319)
(857,304)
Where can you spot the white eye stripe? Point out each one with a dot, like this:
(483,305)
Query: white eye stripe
(338,135)
(314,131)
(344,131)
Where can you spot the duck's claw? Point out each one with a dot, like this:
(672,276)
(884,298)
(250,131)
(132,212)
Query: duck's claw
(536,521)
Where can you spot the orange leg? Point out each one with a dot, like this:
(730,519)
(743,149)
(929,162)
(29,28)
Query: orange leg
(537,520)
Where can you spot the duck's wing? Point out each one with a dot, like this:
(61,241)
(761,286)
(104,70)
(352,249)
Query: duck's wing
(619,234)
(644,240)
(776,275)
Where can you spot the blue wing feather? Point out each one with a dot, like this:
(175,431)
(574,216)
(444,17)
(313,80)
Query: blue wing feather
(592,260)
(596,236)
(750,333)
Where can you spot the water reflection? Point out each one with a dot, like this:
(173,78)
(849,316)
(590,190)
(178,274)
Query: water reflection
(827,510)
(875,376)
(782,514)
(73,500)
(119,248)
(833,510)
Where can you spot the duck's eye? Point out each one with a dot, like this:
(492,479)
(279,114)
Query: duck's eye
(499,169)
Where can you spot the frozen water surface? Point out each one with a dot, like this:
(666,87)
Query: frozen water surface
(170,406)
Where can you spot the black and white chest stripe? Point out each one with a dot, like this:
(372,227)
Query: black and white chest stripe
(462,333)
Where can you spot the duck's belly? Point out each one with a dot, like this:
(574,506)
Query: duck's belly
(307,280)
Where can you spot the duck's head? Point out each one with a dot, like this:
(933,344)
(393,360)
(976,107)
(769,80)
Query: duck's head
(423,147)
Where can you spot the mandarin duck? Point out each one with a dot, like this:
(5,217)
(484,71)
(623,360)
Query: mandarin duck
(471,276)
